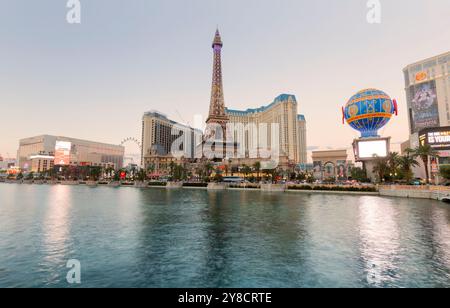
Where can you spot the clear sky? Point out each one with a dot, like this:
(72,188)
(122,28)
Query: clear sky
(94,80)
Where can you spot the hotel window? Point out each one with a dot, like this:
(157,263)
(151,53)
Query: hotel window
(417,68)
(430,64)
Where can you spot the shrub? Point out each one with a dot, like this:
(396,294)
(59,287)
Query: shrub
(334,188)
(195,184)
(444,171)
(157,184)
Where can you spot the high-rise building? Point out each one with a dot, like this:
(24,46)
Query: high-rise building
(302,141)
(69,151)
(427,85)
(283,112)
(160,136)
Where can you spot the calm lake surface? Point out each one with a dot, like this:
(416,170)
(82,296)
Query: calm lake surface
(127,237)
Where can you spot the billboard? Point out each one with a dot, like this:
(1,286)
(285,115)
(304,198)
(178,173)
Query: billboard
(424,106)
(367,149)
(317,166)
(62,153)
(438,138)
(342,169)
(317,169)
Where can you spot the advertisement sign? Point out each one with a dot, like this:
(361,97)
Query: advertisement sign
(370,149)
(317,165)
(341,169)
(438,138)
(317,169)
(62,153)
(434,166)
(424,106)
(421,76)
(329,170)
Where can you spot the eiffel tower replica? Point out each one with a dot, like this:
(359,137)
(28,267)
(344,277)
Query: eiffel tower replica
(217,117)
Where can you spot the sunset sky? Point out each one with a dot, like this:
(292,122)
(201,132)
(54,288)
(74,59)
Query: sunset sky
(94,80)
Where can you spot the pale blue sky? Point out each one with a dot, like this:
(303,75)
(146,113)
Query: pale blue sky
(95,80)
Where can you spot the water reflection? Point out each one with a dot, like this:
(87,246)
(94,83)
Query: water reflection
(380,240)
(194,238)
(56,231)
(172,236)
(441,237)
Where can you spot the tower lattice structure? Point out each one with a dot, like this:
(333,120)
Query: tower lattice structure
(217,114)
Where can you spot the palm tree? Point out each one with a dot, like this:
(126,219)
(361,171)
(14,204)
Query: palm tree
(207,169)
(151,169)
(141,175)
(381,167)
(257,168)
(406,162)
(393,160)
(94,173)
(246,171)
(172,170)
(425,152)
(180,173)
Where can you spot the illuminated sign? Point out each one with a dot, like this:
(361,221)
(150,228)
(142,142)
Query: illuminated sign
(438,138)
(421,76)
(424,106)
(368,149)
(62,153)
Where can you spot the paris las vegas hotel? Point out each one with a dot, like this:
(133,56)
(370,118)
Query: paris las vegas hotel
(157,135)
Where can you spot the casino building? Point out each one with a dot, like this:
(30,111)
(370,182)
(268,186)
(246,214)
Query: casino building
(158,136)
(214,144)
(283,112)
(249,138)
(427,86)
(40,153)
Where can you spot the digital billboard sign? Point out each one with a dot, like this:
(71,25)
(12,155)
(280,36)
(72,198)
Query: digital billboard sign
(368,149)
(62,153)
(424,106)
(438,138)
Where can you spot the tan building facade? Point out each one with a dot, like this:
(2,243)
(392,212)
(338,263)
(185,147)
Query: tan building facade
(331,164)
(160,135)
(427,86)
(302,141)
(41,163)
(284,113)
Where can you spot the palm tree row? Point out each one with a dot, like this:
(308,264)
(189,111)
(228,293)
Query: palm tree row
(396,166)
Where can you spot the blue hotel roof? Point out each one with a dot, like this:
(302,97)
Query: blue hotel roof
(278,99)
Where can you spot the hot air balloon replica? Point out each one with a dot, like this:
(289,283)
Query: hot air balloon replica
(368,111)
